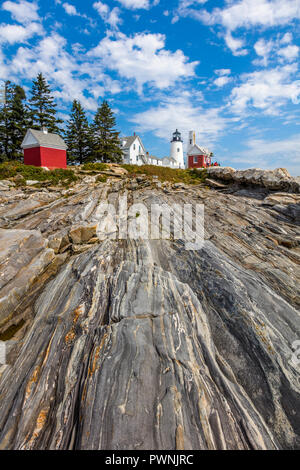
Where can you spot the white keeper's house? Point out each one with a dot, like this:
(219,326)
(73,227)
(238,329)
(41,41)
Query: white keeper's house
(135,153)
(134,150)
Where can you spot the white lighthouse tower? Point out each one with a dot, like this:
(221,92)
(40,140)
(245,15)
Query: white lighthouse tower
(177,149)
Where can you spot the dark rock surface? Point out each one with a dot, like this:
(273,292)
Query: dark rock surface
(142,344)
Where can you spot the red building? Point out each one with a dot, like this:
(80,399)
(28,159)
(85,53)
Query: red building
(198,157)
(44,149)
(199,161)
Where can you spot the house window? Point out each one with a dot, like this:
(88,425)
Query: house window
(133,146)
(191,141)
(178,150)
(137,158)
(139,149)
(195,159)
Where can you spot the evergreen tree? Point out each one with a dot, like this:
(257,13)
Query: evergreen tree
(42,106)
(6,95)
(18,122)
(78,135)
(13,121)
(106,142)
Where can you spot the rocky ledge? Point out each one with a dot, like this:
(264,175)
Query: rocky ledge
(142,344)
(278,179)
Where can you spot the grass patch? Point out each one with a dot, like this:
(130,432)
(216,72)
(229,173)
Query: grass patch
(28,172)
(95,167)
(168,174)
(102,178)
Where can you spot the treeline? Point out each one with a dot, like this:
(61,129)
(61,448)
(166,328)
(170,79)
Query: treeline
(87,142)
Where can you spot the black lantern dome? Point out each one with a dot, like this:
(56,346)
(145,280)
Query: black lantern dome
(176,136)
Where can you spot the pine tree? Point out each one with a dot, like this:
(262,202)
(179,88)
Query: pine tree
(106,142)
(18,122)
(13,121)
(78,135)
(6,98)
(42,106)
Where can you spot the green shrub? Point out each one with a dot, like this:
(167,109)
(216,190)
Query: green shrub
(101,178)
(192,176)
(95,166)
(28,172)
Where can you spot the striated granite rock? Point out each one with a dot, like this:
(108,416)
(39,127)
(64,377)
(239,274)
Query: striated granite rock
(142,344)
(278,179)
(23,257)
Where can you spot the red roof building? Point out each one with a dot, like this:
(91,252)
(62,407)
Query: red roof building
(198,157)
(44,149)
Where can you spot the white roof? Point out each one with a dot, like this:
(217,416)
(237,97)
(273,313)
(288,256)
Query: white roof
(129,141)
(197,150)
(34,138)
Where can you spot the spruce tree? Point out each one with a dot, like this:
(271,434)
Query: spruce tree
(18,122)
(13,121)
(6,99)
(78,135)
(42,106)
(106,142)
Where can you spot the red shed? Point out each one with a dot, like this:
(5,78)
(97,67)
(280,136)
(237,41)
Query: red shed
(198,157)
(44,149)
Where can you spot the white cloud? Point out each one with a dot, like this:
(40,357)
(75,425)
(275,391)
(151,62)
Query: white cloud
(144,59)
(261,147)
(111,17)
(12,34)
(222,81)
(70,9)
(287,38)
(184,113)
(223,77)
(266,90)
(270,50)
(25,13)
(235,44)
(273,153)
(249,13)
(63,70)
(22,11)
(263,49)
(102,8)
(222,72)
(289,53)
(242,14)
(137,4)
(184,4)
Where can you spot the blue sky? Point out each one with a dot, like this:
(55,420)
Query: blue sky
(228,69)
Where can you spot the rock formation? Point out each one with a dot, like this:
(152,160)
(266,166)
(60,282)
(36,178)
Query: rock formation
(278,179)
(142,344)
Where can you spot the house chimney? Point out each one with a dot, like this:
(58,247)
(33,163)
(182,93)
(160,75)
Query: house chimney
(134,134)
(45,130)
